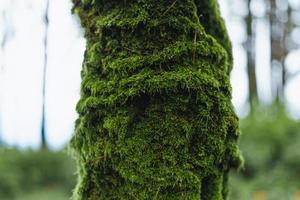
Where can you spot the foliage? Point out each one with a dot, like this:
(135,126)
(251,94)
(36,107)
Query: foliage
(155,116)
(27,171)
(270,144)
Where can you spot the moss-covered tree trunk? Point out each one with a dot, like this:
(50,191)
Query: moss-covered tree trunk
(155,114)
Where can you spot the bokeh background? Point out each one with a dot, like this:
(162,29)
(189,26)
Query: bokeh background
(41,51)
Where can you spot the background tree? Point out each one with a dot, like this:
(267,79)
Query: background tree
(278,16)
(280,20)
(155,114)
(250,49)
(43,122)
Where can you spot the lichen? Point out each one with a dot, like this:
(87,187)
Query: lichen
(155,115)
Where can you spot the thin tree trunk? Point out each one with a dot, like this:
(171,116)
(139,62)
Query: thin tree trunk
(253,97)
(288,27)
(43,122)
(279,50)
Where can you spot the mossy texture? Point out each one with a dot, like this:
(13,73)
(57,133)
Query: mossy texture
(155,114)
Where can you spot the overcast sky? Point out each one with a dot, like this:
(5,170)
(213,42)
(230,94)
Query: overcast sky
(21,65)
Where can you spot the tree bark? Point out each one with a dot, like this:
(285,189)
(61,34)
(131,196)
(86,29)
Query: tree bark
(155,115)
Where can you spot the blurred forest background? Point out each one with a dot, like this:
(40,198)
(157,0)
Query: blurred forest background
(41,50)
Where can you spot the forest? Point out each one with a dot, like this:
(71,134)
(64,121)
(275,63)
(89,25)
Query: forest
(128,71)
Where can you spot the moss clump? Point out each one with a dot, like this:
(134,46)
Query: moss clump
(155,116)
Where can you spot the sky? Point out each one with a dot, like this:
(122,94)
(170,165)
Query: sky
(21,76)
(21,65)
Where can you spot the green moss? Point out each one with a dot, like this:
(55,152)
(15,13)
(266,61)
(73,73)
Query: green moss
(211,19)
(155,114)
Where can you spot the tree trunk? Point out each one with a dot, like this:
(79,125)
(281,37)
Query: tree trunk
(155,114)
(280,30)
(253,96)
(288,27)
(43,121)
